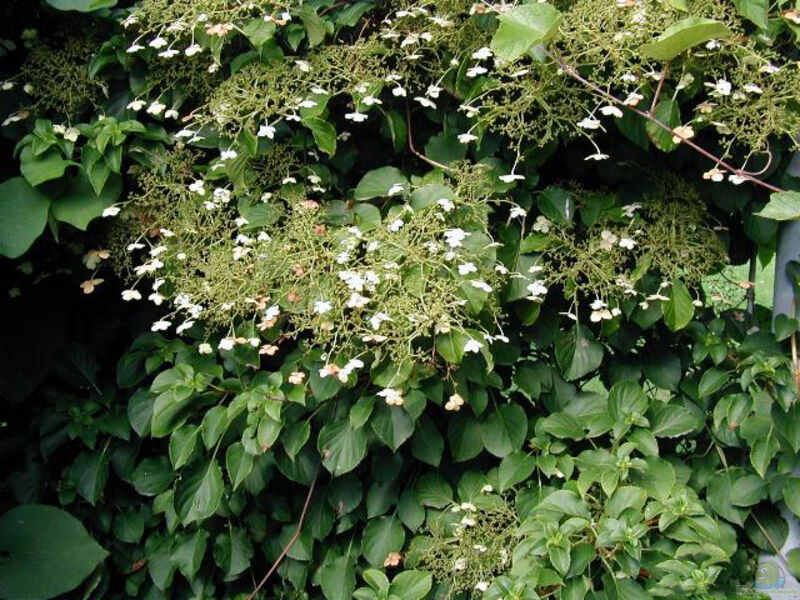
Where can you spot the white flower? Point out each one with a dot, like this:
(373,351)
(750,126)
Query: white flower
(517,211)
(487,489)
(228,154)
(607,240)
(184,326)
(193,49)
(716,175)
(309,103)
(736,179)
(537,288)
(297,377)
(589,123)
(205,348)
(356,300)
(198,187)
(427,103)
(481,285)
(597,156)
(161,325)
(399,92)
(397,188)
(134,48)
(683,132)
(170,53)
(598,315)
(467,268)
(267,131)
(111,211)
(482,54)
(303,65)
(721,87)
(395,225)
(171,114)
(633,99)
(467,522)
(473,346)
(612,111)
(226,344)
(357,117)
(377,319)
(627,243)
(454,237)
(371,100)
(156,298)
(460,564)
(511,177)
(393,396)
(156,108)
(128,295)
(71,134)
(157,43)
(322,306)
(473,72)
(446,204)
(482,586)
(466,138)
(542,224)
(629,209)
(752,88)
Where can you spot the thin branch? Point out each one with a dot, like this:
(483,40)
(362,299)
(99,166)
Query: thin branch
(291,542)
(414,150)
(660,86)
(573,72)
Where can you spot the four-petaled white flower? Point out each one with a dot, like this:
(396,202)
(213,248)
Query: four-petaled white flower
(111,211)
(473,346)
(356,117)
(611,111)
(128,295)
(393,397)
(517,211)
(466,138)
(542,224)
(467,268)
(397,188)
(511,177)
(681,133)
(226,344)
(589,123)
(482,54)
(322,306)
(193,49)
(161,325)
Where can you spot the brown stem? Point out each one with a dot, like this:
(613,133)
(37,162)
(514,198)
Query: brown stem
(660,86)
(414,150)
(573,72)
(291,542)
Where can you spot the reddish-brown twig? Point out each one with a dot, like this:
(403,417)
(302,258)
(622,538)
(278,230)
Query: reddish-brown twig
(573,72)
(291,542)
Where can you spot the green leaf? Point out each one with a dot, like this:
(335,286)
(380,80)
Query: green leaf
(382,536)
(81,5)
(377,183)
(450,346)
(427,444)
(38,169)
(678,310)
(188,551)
(324,134)
(410,510)
(763,451)
(782,206)
(23,216)
(791,494)
(793,562)
(565,502)
(578,353)
(152,476)
(392,425)
(338,579)
(315,26)
(182,443)
(756,11)
(668,112)
(341,446)
(78,204)
(515,468)
(199,492)
(171,409)
(233,551)
(522,27)
(683,35)
(504,430)
(259,31)
(238,463)
(711,381)
(433,490)
(557,204)
(411,585)
(44,552)
(674,420)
